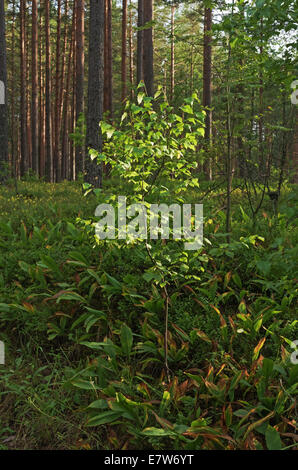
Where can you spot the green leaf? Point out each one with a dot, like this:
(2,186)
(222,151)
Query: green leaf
(187,109)
(258,348)
(293,376)
(24,266)
(84,384)
(140,97)
(124,116)
(99,405)
(267,368)
(4,307)
(165,403)
(273,440)
(70,296)
(126,339)
(104,418)
(236,278)
(158,432)
(107,129)
(264,267)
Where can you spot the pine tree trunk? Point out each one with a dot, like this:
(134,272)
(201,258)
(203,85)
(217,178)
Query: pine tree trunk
(240,138)
(108,61)
(42,126)
(172,87)
(28,91)
(191,69)
(12,126)
(61,163)
(73,103)
(140,42)
(23,112)
(64,92)
(148,48)
(95,89)
(48,113)
(262,170)
(57,98)
(124,50)
(3,105)
(34,101)
(207,83)
(80,31)
(131,51)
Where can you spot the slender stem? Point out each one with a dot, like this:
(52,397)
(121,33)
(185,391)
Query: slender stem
(166,317)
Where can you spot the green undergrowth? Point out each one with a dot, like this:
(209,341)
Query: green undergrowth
(83,324)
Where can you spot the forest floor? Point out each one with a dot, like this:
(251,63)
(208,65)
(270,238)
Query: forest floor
(84,325)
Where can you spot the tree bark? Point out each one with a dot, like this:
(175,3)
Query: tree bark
(64,94)
(207,82)
(124,50)
(172,87)
(34,99)
(262,169)
(23,112)
(140,42)
(65,139)
(131,51)
(3,95)
(28,90)
(13,136)
(61,162)
(80,31)
(148,48)
(41,137)
(95,89)
(57,97)
(48,112)
(108,61)
(191,68)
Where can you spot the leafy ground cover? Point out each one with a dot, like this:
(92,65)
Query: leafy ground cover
(84,329)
